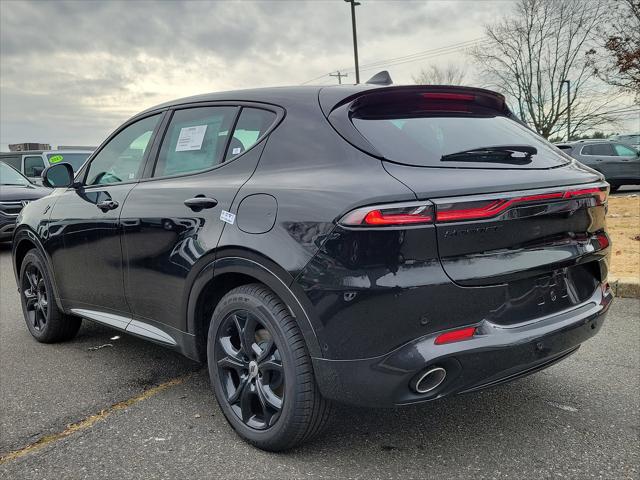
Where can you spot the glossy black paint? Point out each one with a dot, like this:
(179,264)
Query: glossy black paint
(365,300)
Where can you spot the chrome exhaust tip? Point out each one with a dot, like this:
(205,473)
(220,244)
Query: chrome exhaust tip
(430,380)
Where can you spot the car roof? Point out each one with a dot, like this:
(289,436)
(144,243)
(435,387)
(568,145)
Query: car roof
(291,95)
(38,152)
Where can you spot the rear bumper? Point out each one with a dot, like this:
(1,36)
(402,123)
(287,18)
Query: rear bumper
(495,355)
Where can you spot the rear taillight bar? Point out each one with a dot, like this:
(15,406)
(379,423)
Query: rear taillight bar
(492,208)
(421,213)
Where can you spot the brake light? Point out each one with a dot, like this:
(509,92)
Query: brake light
(414,213)
(455,335)
(459,97)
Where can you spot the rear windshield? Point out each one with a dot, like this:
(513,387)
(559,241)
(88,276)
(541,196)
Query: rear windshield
(426,140)
(75,159)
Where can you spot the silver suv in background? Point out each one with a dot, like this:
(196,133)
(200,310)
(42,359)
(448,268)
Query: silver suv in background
(629,139)
(618,162)
(32,163)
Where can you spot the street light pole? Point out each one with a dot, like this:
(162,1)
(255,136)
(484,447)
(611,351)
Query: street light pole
(355,36)
(568,82)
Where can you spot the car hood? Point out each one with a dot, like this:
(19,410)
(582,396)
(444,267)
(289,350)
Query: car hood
(10,193)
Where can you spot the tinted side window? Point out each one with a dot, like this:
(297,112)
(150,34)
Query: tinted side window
(597,149)
(121,159)
(32,163)
(624,151)
(14,161)
(195,140)
(252,124)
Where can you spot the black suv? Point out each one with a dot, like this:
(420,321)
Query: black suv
(373,245)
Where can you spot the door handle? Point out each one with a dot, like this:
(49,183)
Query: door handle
(107,205)
(200,202)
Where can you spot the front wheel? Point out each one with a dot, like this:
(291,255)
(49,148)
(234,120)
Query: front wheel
(46,322)
(261,370)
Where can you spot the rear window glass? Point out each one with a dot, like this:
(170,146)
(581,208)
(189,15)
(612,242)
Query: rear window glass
(424,140)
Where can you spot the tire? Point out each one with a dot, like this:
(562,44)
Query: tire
(249,387)
(614,188)
(46,322)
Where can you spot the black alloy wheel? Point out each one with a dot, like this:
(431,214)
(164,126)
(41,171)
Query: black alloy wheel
(36,297)
(261,370)
(46,322)
(250,368)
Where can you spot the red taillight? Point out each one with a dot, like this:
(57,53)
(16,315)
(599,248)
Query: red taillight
(603,240)
(455,335)
(495,207)
(459,97)
(414,213)
(376,217)
(600,194)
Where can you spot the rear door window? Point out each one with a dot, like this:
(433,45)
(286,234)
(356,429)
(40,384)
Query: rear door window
(624,151)
(603,149)
(251,126)
(195,140)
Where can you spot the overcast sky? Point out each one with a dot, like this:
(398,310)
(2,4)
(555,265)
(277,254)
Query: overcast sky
(71,72)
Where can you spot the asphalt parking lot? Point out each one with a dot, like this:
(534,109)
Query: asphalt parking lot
(136,410)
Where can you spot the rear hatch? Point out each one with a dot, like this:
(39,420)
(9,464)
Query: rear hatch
(510,208)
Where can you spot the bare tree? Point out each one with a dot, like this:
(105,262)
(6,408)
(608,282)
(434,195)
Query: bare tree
(434,75)
(528,55)
(616,59)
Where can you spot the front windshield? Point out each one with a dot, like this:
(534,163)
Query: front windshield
(9,176)
(75,159)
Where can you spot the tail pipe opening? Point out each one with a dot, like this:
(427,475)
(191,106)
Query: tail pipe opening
(429,380)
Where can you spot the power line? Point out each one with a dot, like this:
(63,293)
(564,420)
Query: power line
(431,53)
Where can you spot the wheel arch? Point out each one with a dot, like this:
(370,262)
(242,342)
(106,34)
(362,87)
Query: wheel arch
(25,240)
(235,267)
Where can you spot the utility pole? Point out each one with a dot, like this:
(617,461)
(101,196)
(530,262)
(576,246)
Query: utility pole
(568,82)
(339,75)
(355,36)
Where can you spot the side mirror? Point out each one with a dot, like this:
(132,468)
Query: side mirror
(59,175)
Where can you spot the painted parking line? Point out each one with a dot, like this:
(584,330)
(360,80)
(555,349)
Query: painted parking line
(91,420)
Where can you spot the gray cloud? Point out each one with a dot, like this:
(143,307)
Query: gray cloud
(71,71)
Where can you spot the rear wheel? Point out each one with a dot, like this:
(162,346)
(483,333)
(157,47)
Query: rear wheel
(46,322)
(261,370)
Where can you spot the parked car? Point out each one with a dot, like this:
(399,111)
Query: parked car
(619,163)
(632,139)
(32,163)
(16,191)
(379,246)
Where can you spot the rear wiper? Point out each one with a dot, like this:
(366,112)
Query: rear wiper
(495,154)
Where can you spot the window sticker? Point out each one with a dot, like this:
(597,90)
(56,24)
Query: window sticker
(236,150)
(56,159)
(191,138)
